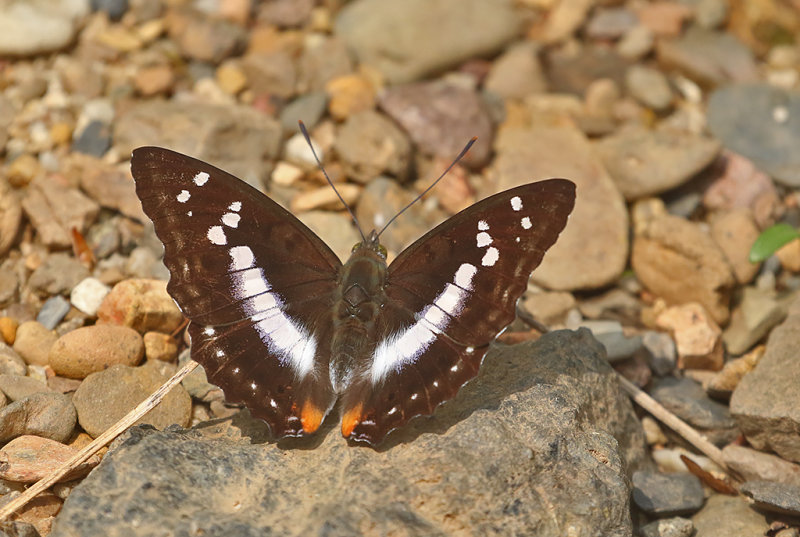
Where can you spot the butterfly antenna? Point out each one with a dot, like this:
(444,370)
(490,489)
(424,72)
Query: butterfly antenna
(321,167)
(415,200)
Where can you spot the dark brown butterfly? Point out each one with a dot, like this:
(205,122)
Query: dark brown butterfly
(281,325)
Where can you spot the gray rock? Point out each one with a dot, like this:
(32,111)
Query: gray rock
(644,162)
(407,40)
(16,528)
(540,440)
(774,497)
(762,123)
(668,527)
(609,333)
(11,363)
(369,144)
(53,311)
(114,8)
(9,286)
(58,274)
(29,27)
(50,415)
(271,73)
(662,354)
(667,494)
(308,108)
(230,137)
(610,23)
(724,516)
(541,151)
(688,400)
(711,58)
(440,118)
(766,403)
(754,465)
(758,312)
(18,387)
(93,140)
(322,60)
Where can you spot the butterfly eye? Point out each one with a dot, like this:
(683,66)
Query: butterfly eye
(382,250)
(355,247)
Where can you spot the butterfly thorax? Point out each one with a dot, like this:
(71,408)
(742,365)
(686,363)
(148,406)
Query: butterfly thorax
(357,305)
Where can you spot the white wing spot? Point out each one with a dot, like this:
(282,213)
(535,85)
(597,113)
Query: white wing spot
(184,196)
(201,178)
(516,239)
(189,213)
(236,370)
(435,383)
(236,206)
(209,331)
(464,275)
(470,350)
(231,219)
(526,223)
(484,239)
(241,258)
(516,203)
(491,257)
(414,396)
(454,368)
(217,235)
(220,353)
(273,404)
(391,411)
(483,226)
(249,283)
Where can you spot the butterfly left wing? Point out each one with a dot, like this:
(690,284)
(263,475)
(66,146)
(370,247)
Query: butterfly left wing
(448,296)
(254,281)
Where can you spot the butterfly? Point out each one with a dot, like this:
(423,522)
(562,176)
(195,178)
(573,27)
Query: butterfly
(282,326)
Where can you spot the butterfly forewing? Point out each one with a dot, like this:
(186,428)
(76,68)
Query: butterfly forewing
(253,280)
(448,296)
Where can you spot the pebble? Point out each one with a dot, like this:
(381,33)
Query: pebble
(667,494)
(422,44)
(780,498)
(23,170)
(106,184)
(49,415)
(154,80)
(54,209)
(11,363)
(517,72)
(687,399)
(106,396)
(753,465)
(204,38)
(10,217)
(231,77)
(610,23)
(669,251)
(9,285)
(323,58)
(158,346)
(369,144)
(721,386)
(662,353)
(37,516)
(141,304)
(336,229)
(789,256)
(325,197)
(285,174)
(664,18)
(8,329)
(95,348)
(709,58)
(636,43)
(33,342)
(652,432)
(728,515)
(309,108)
(297,152)
(618,346)
(441,118)
(27,459)
(93,140)
(762,123)
(735,231)
(53,311)
(59,273)
(668,527)
(766,400)
(758,312)
(539,151)
(649,86)
(88,295)
(271,73)
(17,387)
(32,28)
(549,308)
(349,95)
(645,162)
(697,336)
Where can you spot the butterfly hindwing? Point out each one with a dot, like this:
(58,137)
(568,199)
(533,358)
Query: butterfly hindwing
(254,281)
(448,296)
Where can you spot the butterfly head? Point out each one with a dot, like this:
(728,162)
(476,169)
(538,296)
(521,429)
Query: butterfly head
(372,243)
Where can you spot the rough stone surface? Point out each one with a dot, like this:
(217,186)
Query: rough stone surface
(667,494)
(779,498)
(668,527)
(407,40)
(537,441)
(141,304)
(105,397)
(735,231)
(370,144)
(49,415)
(724,516)
(679,262)
(758,312)
(94,348)
(17,387)
(645,162)
(696,335)
(755,465)
(27,459)
(762,123)
(766,403)
(542,151)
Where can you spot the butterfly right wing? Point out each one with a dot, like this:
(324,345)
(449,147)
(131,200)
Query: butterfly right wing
(255,283)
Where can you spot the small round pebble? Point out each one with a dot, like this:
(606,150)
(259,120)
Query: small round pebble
(94,348)
(8,329)
(88,295)
(33,342)
(49,415)
(158,346)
